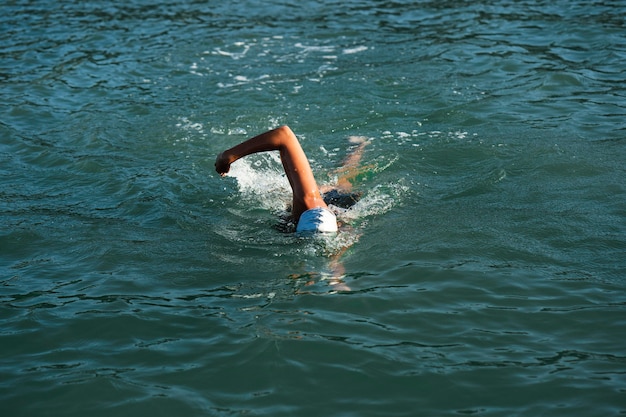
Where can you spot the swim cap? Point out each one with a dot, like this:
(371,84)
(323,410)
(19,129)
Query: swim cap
(317,219)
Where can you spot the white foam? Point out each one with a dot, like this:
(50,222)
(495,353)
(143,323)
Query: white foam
(376,201)
(355,50)
(315,48)
(234,55)
(261,181)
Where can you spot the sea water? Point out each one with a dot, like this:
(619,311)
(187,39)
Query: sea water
(482,272)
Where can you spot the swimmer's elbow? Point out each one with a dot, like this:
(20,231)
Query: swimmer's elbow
(285,130)
(286,135)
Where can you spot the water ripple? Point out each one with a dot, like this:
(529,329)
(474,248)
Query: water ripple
(484,274)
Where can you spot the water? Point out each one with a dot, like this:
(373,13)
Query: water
(485,268)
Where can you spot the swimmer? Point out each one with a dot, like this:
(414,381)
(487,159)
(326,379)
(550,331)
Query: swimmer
(309,209)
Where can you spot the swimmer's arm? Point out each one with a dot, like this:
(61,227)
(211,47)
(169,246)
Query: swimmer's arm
(272,140)
(306,194)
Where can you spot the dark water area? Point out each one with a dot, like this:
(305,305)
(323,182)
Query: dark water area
(484,269)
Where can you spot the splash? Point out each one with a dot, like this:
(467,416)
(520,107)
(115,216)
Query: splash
(377,201)
(261,181)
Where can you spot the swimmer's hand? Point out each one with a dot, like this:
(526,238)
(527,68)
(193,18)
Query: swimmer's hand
(222,164)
